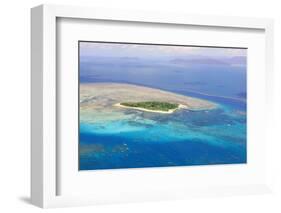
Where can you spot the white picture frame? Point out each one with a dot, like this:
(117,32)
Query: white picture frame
(44,155)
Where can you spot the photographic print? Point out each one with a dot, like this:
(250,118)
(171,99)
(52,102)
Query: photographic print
(159,105)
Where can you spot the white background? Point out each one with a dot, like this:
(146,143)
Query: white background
(15,98)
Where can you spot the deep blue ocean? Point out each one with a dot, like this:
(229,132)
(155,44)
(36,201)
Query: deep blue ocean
(183,138)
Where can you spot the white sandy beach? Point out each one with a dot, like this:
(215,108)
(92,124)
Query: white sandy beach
(148,110)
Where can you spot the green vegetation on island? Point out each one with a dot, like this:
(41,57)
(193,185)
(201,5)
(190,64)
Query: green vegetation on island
(152,105)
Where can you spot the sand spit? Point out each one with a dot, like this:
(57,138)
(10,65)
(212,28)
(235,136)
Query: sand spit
(99,96)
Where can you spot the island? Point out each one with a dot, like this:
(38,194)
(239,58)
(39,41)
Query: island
(152,106)
(101,102)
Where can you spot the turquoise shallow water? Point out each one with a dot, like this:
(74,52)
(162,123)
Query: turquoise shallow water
(153,140)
